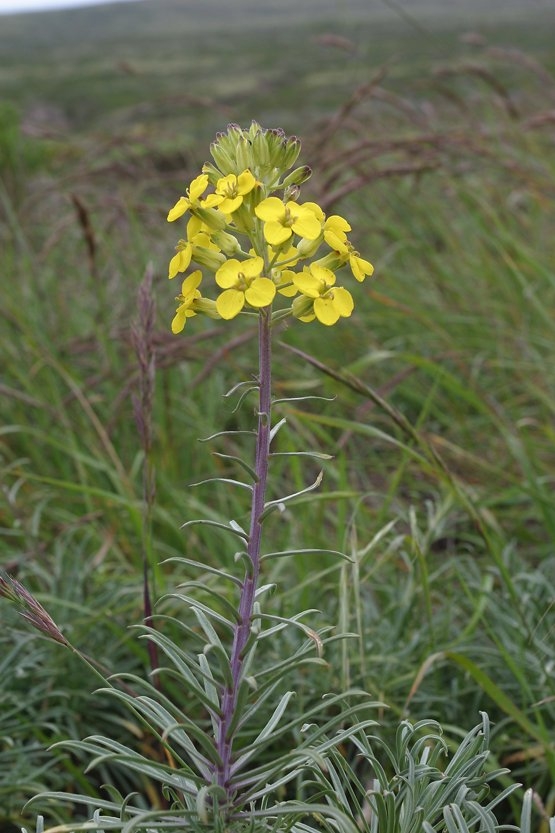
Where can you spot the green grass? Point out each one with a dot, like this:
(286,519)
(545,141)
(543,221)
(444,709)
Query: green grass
(440,390)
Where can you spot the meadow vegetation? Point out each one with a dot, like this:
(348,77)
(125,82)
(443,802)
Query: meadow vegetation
(439,393)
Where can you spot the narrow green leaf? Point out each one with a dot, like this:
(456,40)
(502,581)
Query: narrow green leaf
(499,697)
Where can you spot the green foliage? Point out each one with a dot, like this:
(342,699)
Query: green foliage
(412,785)
(20,155)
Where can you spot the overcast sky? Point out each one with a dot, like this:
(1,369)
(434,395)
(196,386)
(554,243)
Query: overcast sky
(10,6)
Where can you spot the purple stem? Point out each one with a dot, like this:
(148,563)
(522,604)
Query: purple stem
(224,739)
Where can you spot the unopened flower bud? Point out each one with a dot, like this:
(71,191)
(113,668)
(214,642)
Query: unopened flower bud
(292,193)
(213,218)
(243,154)
(298,176)
(221,158)
(228,243)
(261,154)
(291,152)
(302,306)
(209,258)
(205,306)
(213,173)
(308,248)
(332,261)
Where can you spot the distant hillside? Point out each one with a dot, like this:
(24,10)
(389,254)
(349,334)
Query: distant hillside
(231,57)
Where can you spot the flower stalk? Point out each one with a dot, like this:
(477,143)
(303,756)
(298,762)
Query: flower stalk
(224,740)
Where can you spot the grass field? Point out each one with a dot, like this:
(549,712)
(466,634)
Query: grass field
(433,132)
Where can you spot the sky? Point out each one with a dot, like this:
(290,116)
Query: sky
(11,6)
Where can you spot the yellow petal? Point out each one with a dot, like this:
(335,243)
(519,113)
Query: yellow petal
(191,282)
(180,318)
(286,277)
(360,267)
(230,303)
(252,267)
(306,225)
(337,224)
(230,204)
(316,210)
(261,292)
(228,273)
(225,183)
(180,261)
(194,226)
(324,275)
(307,284)
(178,210)
(325,311)
(275,234)
(335,242)
(288,256)
(245,182)
(197,187)
(343,301)
(212,200)
(270,209)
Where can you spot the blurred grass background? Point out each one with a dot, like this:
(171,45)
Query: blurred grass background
(431,127)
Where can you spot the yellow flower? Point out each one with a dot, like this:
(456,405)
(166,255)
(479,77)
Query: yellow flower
(334,235)
(181,260)
(194,192)
(243,282)
(230,191)
(189,294)
(281,220)
(197,238)
(329,302)
(338,225)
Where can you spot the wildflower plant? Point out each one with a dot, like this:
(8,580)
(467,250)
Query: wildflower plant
(228,752)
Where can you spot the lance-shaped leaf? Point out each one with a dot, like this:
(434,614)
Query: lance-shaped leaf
(264,735)
(276,428)
(207,568)
(305,551)
(276,504)
(210,591)
(244,465)
(229,480)
(232,433)
(316,455)
(195,603)
(233,526)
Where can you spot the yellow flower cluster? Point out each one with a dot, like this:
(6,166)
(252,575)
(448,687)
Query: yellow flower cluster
(258,245)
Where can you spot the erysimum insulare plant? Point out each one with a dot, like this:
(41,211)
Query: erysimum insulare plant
(256,250)
(257,246)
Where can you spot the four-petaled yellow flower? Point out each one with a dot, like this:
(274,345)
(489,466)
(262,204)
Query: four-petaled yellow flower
(197,237)
(334,235)
(329,302)
(189,294)
(243,282)
(281,220)
(230,191)
(194,192)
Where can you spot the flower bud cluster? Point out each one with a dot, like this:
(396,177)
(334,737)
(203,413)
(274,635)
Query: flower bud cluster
(248,230)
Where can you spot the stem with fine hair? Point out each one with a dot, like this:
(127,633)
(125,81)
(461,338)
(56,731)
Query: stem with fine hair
(224,739)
